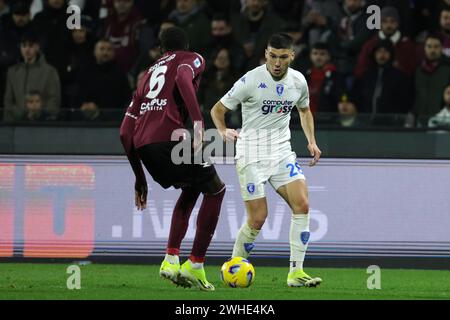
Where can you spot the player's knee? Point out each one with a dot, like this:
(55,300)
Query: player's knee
(301,207)
(257,223)
(214,186)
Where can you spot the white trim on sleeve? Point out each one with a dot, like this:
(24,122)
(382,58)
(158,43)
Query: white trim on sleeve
(131,115)
(185,64)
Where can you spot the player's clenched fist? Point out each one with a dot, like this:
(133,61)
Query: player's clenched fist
(229,135)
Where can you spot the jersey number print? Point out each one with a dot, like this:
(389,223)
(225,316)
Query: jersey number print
(157,81)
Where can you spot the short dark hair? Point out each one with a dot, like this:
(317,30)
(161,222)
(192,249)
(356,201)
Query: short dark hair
(173,39)
(20,8)
(321,46)
(221,17)
(444,9)
(433,36)
(103,40)
(281,41)
(33,93)
(29,37)
(387,45)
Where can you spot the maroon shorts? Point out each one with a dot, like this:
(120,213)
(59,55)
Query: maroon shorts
(156,158)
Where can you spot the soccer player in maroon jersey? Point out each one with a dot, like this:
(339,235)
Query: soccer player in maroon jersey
(163,101)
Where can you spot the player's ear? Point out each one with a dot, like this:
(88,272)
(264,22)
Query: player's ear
(266,54)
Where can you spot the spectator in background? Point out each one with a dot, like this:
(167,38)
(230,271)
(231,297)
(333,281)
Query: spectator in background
(348,114)
(156,11)
(50,24)
(347,41)
(122,28)
(97,10)
(436,7)
(423,19)
(325,84)
(382,88)
(444,32)
(218,80)
(405,58)
(301,60)
(103,85)
(405,11)
(319,19)
(190,18)
(148,57)
(34,109)
(442,119)
(253,27)
(32,74)
(222,37)
(430,79)
(287,9)
(4,8)
(12,27)
(227,8)
(81,46)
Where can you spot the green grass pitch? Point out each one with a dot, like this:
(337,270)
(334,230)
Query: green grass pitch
(114,281)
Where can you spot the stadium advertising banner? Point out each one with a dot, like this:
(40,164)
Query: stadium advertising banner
(81,207)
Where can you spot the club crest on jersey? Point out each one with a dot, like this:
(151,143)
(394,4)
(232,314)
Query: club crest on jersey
(251,188)
(280,89)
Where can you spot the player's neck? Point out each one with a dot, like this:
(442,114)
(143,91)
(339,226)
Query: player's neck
(275,78)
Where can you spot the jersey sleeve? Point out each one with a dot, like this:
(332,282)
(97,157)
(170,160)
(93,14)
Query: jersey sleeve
(133,107)
(126,137)
(237,94)
(303,102)
(189,72)
(194,62)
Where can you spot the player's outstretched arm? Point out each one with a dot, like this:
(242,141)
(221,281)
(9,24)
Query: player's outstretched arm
(307,123)
(218,117)
(126,137)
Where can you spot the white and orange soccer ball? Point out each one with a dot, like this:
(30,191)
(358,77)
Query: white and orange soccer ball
(237,272)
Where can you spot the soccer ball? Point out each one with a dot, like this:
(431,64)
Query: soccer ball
(237,272)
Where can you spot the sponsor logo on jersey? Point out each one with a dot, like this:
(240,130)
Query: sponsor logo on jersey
(280,89)
(262,85)
(153,105)
(277,106)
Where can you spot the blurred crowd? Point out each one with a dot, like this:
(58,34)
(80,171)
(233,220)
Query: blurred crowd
(398,75)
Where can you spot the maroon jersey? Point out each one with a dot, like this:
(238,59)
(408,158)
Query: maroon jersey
(158,105)
(162,102)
